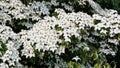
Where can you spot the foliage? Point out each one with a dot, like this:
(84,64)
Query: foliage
(111,4)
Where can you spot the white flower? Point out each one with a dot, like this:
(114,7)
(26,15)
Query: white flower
(54,2)
(114,41)
(3,65)
(68,7)
(87,48)
(28,50)
(60,50)
(103,31)
(76,58)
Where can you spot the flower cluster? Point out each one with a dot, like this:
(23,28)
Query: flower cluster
(9,46)
(53,33)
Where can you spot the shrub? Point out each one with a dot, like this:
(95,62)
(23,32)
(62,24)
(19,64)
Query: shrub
(56,34)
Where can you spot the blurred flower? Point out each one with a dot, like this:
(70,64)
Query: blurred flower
(76,58)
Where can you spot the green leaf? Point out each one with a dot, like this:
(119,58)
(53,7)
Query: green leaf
(73,65)
(95,56)
(55,14)
(119,37)
(58,28)
(76,65)
(96,21)
(97,65)
(3,48)
(107,65)
(0,42)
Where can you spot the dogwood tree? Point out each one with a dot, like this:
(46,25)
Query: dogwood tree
(57,34)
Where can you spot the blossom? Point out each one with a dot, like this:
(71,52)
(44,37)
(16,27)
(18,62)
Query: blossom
(76,58)
(103,31)
(87,48)
(114,41)
(4,65)
(68,7)
(42,36)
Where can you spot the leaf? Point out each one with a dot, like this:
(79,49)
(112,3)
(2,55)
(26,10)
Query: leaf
(73,65)
(70,64)
(58,28)
(96,21)
(97,65)
(95,56)
(76,65)
(55,14)
(107,65)
(3,48)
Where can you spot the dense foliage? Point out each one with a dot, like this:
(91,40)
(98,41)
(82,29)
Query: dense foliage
(111,4)
(58,34)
